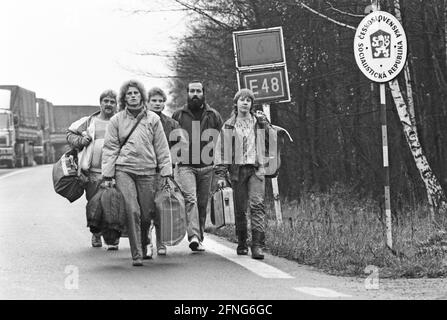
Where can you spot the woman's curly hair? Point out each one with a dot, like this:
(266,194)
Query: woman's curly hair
(126,85)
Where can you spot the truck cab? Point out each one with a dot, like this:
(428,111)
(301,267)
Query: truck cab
(7,138)
(18,126)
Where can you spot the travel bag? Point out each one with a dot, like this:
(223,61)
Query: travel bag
(170,207)
(68,180)
(222,207)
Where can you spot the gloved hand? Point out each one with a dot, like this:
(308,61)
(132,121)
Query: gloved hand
(221,183)
(109,182)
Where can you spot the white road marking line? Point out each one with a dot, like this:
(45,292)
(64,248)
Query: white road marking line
(321,292)
(13,173)
(260,268)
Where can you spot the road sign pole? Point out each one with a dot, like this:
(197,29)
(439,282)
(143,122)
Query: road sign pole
(275,188)
(386,169)
(261,64)
(380,49)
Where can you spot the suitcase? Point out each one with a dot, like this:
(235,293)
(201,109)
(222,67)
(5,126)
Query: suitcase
(170,207)
(222,207)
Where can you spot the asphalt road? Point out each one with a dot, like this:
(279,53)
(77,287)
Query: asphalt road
(45,253)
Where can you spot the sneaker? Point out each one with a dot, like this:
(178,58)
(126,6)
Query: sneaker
(161,250)
(96,240)
(113,247)
(137,263)
(194,243)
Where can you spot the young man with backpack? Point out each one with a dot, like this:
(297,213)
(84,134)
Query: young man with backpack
(241,156)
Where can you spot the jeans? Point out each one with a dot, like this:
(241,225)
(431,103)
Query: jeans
(196,185)
(138,192)
(249,189)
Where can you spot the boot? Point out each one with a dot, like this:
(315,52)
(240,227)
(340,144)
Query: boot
(256,245)
(242,249)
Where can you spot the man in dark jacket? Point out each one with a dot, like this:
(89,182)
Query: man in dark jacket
(156,99)
(87,135)
(195,171)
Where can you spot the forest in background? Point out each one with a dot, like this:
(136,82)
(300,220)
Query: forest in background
(334,116)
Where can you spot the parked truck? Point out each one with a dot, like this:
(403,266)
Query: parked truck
(18,126)
(44,150)
(64,116)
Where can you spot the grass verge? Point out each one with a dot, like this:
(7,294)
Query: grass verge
(343,235)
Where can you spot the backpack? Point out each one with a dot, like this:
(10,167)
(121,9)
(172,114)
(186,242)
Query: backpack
(274,163)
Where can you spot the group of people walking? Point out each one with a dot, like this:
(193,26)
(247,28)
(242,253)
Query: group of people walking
(137,147)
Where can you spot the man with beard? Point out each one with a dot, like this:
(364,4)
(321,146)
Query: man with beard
(195,174)
(134,164)
(87,135)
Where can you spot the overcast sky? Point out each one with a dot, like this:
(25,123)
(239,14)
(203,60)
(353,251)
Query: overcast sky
(69,51)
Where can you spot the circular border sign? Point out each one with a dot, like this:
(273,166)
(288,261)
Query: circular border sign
(380,46)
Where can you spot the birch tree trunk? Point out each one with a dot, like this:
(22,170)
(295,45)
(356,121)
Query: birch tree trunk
(435,193)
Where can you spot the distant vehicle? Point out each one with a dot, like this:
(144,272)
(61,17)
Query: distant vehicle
(33,130)
(44,150)
(19,128)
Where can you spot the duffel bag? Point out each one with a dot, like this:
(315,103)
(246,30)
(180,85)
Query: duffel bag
(94,212)
(170,207)
(68,180)
(114,209)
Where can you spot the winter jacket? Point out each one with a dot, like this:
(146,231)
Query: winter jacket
(169,125)
(265,137)
(211,119)
(74,138)
(146,149)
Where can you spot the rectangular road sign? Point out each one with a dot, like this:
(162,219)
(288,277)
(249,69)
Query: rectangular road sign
(259,47)
(268,85)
